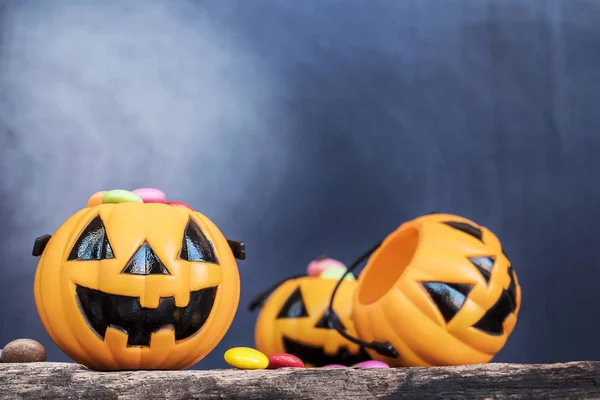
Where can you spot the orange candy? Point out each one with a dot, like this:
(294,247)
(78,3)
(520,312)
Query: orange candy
(95,199)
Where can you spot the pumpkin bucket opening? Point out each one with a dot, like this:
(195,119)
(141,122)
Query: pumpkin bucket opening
(387,265)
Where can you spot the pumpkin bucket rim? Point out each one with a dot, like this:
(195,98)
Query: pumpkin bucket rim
(398,251)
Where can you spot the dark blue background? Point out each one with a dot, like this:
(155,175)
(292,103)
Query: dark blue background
(331,122)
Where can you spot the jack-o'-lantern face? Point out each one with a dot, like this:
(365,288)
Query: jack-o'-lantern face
(137,286)
(294,320)
(441,290)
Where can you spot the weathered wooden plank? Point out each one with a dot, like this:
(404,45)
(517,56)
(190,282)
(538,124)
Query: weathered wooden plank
(576,380)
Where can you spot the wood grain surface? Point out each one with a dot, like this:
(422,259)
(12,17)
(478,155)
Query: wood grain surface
(576,380)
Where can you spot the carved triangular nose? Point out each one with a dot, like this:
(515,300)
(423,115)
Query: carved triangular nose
(323,322)
(145,262)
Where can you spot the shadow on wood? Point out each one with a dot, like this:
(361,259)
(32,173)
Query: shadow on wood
(576,380)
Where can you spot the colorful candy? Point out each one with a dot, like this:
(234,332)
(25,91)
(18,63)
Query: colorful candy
(140,195)
(246,358)
(334,366)
(322,263)
(336,273)
(178,204)
(371,364)
(284,360)
(151,195)
(120,196)
(95,199)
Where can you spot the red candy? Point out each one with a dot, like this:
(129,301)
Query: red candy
(284,360)
(178,204)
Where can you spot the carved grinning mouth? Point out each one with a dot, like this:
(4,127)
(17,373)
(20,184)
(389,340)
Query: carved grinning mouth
(103,310)
(317,357)
(493,321)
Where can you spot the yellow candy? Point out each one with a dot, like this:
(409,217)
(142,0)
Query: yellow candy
(95,199)
(336,273)
(246,358)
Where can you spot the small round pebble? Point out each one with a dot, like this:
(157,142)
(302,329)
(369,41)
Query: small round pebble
(336,273)
(151,195)
(284,360)
(23,350)
(120,196)
(334,366)
(95,199)
(178,204)
(246,358)
(371,364)
(319,265)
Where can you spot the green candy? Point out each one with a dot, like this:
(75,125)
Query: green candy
(336,273)
(120,196)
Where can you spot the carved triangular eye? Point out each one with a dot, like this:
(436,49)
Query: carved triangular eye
(294,306)
(195,247)
(466,228)
(484,265)
(92,244)
(448,297)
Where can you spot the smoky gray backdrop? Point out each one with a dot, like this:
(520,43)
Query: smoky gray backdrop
(310,127)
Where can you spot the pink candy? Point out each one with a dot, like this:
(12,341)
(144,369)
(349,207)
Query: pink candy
(150,195)
(371,364)
(319,265)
